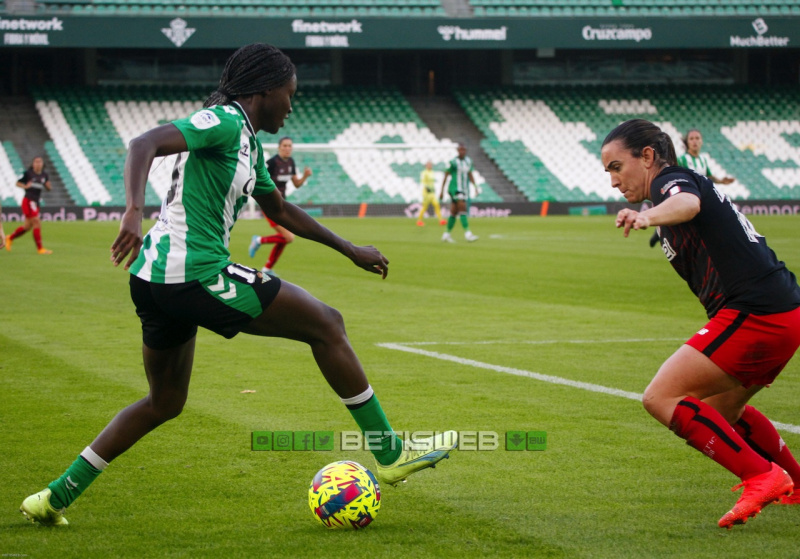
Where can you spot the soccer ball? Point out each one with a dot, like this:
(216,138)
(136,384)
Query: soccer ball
(344,495)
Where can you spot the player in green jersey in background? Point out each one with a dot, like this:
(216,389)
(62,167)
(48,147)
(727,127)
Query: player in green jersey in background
(182,276)
(460,171)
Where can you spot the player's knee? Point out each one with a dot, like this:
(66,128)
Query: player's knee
(168,406)
(651,401)
(333,322)
(288,237)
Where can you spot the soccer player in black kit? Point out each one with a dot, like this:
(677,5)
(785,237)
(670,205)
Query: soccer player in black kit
(33,180)
(752,300)
(281,169)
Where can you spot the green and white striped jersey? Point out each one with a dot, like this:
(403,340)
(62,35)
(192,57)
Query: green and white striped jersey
(459,171)
(210,184)
(698,164)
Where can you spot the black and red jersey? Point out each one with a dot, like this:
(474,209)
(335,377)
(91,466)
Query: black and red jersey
(281,171)
(719,253)
(37,180)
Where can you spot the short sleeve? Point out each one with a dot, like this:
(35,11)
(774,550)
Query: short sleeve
(209,128)
(709,174)
(672,181)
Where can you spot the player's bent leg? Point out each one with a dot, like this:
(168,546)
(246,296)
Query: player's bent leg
(297,315)
(168,374)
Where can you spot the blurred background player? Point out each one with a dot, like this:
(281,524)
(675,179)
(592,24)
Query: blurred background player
(752,300)
(282,169)
(428,181)
(2,233)
(33,180)
(692,159)
(460,171)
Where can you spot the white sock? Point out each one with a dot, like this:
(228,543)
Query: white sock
(360,398)
(94,459)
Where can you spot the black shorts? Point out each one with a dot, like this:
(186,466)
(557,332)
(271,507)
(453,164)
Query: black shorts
(225,304)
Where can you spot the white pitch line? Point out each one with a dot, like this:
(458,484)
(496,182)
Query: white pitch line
(544,378)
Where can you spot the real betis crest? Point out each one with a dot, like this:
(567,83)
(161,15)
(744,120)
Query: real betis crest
(178,32)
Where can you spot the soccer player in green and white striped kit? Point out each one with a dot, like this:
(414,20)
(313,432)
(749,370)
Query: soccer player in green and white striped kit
(460,171)
(182,276)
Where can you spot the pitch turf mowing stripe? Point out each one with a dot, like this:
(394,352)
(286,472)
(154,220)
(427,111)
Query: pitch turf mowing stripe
(544,378)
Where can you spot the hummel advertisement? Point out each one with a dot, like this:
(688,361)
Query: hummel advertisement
(422,33)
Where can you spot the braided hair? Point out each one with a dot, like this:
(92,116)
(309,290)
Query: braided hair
(251,69)
(637,134)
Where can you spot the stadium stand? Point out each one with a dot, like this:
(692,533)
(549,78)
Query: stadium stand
(419,8)
(369,145)
(547,139)
(364,144)
(548,8)
(11,168)
(248,8)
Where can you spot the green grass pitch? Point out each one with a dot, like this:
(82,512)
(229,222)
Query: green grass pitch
(566,297)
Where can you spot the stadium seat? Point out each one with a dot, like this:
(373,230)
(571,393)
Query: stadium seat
(350,129)
(547,139)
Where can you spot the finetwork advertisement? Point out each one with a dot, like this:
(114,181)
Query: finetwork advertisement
(327,33)
(29,32)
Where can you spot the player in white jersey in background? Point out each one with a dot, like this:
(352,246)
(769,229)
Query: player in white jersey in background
(182,276)
(460,173)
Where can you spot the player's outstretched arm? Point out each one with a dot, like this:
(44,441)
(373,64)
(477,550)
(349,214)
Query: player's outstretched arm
(164,140)
(679,208)
(300,223)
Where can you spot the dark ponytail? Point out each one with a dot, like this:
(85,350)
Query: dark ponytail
(637,134)
(251,69)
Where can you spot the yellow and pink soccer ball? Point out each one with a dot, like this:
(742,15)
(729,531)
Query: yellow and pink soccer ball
(344,495)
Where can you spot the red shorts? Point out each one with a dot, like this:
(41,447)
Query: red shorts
(752,348)
(30,208)
(271,223)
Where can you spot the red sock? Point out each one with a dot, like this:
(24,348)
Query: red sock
(275,254)
(760,434)
(37,236)
(273,239)
(707,431)
(17,233)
